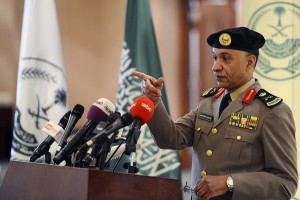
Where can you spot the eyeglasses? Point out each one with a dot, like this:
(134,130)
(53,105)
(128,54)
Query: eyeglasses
(187,188)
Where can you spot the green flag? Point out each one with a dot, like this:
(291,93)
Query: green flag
(140,53)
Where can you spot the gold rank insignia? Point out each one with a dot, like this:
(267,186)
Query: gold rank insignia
(243,121)
(225,39)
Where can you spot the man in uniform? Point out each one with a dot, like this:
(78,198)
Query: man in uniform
(243,137)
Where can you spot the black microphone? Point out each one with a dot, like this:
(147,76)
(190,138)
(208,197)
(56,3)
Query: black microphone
(44,147)
(133,136)
(94,151)
(73,119)
(99,111)
(102,125)
(121,122)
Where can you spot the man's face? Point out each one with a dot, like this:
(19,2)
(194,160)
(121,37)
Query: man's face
(232,68)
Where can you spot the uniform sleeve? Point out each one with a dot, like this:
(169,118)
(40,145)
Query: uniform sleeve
(170,135)
(280,177)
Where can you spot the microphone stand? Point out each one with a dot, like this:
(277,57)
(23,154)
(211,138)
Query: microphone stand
(47,157)
(130,149)
(69,161)
(114,169)
(131,165)
(79,155)
(116,140)
(90,155)
(100,160)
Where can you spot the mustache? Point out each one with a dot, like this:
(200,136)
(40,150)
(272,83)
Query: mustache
(220,75)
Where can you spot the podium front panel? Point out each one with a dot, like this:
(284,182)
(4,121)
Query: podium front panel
(28,181)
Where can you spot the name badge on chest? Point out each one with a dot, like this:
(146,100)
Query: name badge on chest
(206,117)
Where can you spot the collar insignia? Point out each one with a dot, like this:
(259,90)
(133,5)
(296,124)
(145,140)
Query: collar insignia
(219,92)
(249,96)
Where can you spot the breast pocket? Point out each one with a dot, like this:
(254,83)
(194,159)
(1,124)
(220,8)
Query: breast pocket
(239,144)
(201,127)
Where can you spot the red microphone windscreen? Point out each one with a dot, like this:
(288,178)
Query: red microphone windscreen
(142,108)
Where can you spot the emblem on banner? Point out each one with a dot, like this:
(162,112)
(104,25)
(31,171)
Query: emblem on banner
(43,83)
(279,22)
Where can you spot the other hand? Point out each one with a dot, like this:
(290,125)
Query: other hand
(211,186)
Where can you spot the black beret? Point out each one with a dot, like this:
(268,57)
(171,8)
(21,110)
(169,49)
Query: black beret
(240,38)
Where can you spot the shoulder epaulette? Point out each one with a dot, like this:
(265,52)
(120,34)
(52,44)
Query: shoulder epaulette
(267,98)
(215,92)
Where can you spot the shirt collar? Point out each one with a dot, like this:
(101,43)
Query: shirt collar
(234,95)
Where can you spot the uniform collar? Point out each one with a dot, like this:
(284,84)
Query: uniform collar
(235,94)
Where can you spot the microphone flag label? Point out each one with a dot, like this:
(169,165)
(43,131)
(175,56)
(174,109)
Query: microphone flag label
(41,87)
(140,53)
(53,130)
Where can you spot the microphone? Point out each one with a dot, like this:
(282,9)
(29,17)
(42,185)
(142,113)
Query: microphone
(99,111)
(121,122)
(102,125)
(53,132)
(142,111)
(73,119)
(94,151)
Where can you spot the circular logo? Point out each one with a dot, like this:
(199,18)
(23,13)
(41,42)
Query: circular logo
(279,22)
(225,39)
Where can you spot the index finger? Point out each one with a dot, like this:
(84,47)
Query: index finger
(141,75)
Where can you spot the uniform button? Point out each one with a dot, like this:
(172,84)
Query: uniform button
(209,152)
(214,131)
(238,137)
(203,173)
(198,129)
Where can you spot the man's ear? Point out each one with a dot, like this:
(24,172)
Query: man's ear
(251,61)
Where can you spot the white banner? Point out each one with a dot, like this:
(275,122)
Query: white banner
(41,88)
(278,68)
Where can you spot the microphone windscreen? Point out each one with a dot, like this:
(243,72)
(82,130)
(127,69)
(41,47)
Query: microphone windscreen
(78,110)
(100,110)
(142,108)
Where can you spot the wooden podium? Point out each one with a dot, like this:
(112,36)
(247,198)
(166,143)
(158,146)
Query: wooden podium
(28,181)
